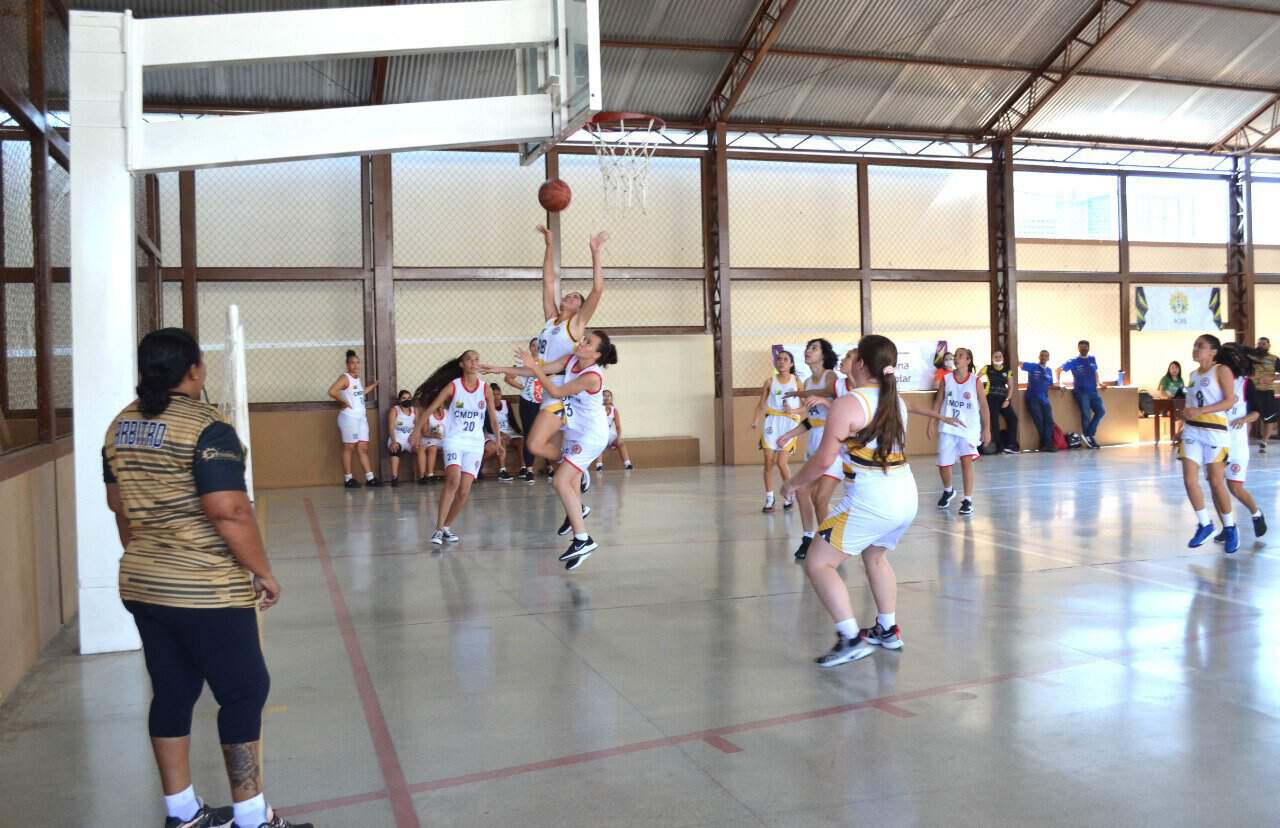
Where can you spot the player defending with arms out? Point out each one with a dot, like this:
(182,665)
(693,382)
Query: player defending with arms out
(1206,438)
(194,575)
(353,423)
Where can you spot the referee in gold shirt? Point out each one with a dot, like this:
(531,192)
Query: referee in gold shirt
(193,569)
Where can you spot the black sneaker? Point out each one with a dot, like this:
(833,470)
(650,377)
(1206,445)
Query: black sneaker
(599,467)
(424,480)
(526,475)
(574,563)
(579,548)
(890,639)
(844,651)
(966,507)
(206,817)
(945,500)
(395,482)
(803,549)
(1092,442)
(278,821)
(504,476)
(1260,525)
(351,484)
(567,527)
(628,466)
(1009,450)
(373,483)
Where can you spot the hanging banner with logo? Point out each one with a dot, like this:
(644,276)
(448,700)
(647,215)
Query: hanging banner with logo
(1178,308)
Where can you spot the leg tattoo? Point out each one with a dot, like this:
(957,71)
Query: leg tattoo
(243,770)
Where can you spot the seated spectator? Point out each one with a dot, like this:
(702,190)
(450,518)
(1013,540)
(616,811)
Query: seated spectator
(1172,383)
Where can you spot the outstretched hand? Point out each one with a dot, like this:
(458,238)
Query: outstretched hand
(546,233)
(526,359)
(598,240)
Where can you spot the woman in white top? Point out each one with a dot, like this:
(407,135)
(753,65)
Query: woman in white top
(1206,439)
(401,420)
(779,413)
(1238,419)
(530,402)
(507,436)
(615,434)
(586,430)
(961,396)
(456,386)
(566,318)
(428,444)
(353,422)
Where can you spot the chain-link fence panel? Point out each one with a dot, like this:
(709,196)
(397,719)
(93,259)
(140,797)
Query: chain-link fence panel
(1067,222)
(1177,225)
(171,300)
(289,357)
(666,233)
(788,214)
(170,220)
(13,44)
(20,345)
(925,313)
(1150,352)
(294,214)
(59,215)
(16,157)
(927,218)
(438,320)
(1092,313)
(1267,313)
(466,209)
(1266,226)
(644,302)
(60,306)
(57,55)
(768,313)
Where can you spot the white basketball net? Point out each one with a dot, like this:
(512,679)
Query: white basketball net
(623,148)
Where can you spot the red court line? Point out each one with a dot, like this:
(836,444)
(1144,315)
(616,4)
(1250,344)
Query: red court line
(722,744)
(392,774)
(893,710)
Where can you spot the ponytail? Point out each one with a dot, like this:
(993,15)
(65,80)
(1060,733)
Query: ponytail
(608,352)
(164,359)
(1236,357)
(887,427)
(442,376)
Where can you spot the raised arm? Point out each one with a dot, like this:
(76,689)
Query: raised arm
(337,388)
(510,378)
(589,305)
(550,301)
(548,369)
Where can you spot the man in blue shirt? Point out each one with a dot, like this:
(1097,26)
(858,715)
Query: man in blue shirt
(1039,380)
(1084,374)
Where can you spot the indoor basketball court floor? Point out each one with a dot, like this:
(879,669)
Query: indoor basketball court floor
(1068,661)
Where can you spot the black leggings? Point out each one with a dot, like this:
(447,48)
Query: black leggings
(184,648)
(528,413)
(995,403)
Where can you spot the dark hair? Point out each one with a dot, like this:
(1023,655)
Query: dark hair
(350,354)
(1212,340)
(1236,357)
(1082,342)
(608,352)
(495,388)
(829,359)
(887,427)
(956,354)
(442,376)
(1169,376)
(401,393)
(789,356)
(164,358)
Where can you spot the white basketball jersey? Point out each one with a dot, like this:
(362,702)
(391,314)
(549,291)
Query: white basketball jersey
(818,412)
(435,425)
(779,402)
(1241,408)
(405,424)
(844,387)
(961,401)
(584,411)
(353,396)
(464,425)
(503,411)
(555,342)
(1203,391)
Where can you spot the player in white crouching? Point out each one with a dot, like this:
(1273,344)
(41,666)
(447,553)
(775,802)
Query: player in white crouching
(615,435)
(960,396)
(401,421)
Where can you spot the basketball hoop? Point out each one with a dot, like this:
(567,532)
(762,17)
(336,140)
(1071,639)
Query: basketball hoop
(624,143)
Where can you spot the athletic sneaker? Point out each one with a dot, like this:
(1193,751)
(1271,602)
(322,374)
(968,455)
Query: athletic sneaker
(945,500)
(586,481)
(890,639)
(504,476)
(1202,534)
(351,484)
(578,548)
(1260,525)
(424,480)
(574,563)
(966,507)
(373,483)
(526,475)
(206,817)
(768,503)
(803,550)
(449,536)
(1009,450)
(788,502)
(437,538)
(1262,447)
(395,482)
(1231,543)
(599,466)
(567,527)
(278,821)
(844,651)
(1221,537)
(628,466)
(1091,442)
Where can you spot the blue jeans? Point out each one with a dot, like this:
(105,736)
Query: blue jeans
(1091,411)
(1042,416)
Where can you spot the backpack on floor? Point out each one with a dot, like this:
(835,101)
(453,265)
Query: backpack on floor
(1059,439)
(1074,440)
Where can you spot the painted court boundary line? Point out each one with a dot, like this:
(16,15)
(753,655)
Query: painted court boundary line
(392,773)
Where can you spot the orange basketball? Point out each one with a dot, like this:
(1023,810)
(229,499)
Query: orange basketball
(554,195)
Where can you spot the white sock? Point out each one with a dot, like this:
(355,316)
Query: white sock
(368,475)
(184,804)
(848,628)
(444,529)
(809,535)
(950,490)
(346,478)
(968,498)
(887,619)
(768,496)
(1228,520)
(1256,514)
(251,813)
(580,536)
(1202,515)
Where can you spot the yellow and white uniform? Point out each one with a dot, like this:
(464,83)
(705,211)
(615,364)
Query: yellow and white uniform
(352,420)
(434,434)
(845,387)
(555,342)
(464,427)
(403,431)
(817,421)
(586,431)
(960,400)
(781,414)
(1205,438)
(1238,447)
(879,504)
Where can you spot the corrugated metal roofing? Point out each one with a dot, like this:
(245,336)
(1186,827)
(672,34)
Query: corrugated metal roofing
(1016,31)
(312,83)
(666,83)
(1195,42)
(450,76)
(718,22)
(872,94)
(1143,111)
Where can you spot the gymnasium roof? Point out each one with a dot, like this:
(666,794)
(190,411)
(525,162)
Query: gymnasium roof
(1177,73)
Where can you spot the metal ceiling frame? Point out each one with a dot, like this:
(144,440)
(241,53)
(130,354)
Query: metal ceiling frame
(766,24)
(1254,131)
